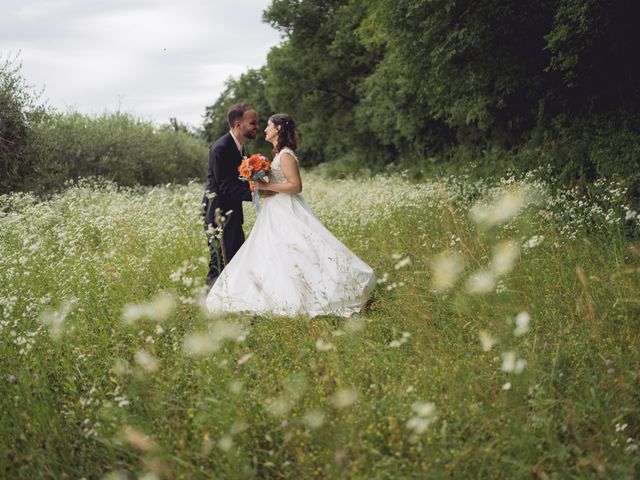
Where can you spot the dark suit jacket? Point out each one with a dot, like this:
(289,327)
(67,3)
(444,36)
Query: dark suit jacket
(222,178)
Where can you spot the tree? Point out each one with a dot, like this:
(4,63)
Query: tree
(317,73)
(376,81)
(248,88)
(19,110)
(593,44)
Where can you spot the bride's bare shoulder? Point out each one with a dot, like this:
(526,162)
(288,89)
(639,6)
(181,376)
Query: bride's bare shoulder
(287,152)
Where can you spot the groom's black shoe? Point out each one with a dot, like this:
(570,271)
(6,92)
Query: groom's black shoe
(211,280)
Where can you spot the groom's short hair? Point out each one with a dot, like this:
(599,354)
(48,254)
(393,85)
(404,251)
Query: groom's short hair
(236,111)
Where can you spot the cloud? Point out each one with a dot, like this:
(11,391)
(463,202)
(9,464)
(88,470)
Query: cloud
(155,59)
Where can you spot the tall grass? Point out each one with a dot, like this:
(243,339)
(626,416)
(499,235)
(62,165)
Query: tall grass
(501,341)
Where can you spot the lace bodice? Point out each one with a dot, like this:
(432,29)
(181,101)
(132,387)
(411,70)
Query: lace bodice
(277,175)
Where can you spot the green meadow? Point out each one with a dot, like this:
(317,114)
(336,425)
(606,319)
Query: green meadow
(501,340)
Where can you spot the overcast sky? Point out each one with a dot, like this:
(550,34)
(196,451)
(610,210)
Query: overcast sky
(155,59)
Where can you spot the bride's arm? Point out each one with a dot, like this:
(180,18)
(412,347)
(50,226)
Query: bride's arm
(292,174)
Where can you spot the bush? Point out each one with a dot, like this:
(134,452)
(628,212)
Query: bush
(40,149)
(601,147)
(117,147)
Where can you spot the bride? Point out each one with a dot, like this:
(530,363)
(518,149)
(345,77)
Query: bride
(290,262)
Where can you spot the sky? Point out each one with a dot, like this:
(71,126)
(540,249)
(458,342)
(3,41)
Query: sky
(155,59)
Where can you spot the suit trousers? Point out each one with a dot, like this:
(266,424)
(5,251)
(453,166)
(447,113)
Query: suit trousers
(233,238)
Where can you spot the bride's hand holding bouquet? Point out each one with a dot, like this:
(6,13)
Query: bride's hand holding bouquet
(255,170)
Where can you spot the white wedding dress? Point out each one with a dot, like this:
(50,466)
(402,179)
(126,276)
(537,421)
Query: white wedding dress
(291,264)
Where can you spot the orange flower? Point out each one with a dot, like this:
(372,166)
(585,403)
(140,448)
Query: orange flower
(266,165)
(245,171)
(255,163)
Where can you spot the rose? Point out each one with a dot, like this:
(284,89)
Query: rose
(255,162)
(245,171)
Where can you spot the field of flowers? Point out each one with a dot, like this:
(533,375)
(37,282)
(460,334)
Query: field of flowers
(501,341)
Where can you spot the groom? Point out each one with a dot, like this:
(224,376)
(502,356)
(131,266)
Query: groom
(224,190)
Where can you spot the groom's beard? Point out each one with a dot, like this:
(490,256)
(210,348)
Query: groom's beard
(250,134)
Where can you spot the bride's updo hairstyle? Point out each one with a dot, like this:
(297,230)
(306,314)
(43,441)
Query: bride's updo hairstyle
(287,136)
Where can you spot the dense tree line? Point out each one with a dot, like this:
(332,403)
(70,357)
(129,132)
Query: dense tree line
(419,83)
(372,82)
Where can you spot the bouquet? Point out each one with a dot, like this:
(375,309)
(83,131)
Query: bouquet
(253,169)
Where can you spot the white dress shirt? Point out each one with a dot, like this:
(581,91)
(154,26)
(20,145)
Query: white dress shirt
(238,144)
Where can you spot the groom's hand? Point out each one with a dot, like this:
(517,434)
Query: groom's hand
(267,193)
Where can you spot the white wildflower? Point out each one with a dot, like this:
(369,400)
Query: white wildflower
(383,279)
(522,324)
(401,341)
(199,344)
(504,257)
(402,263)
(621,427)
(225,443)
(532,242)
(418,424)
(314,419)
(487,340)
(481,281)
(146,360)
(631,446)
(54,320)
(445,270)
(278,407)
(425,415)
(245,358)
(345,397)
(158,309)
(424,409)
(508,361)
(196,344)
(323,346)
(506,206)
